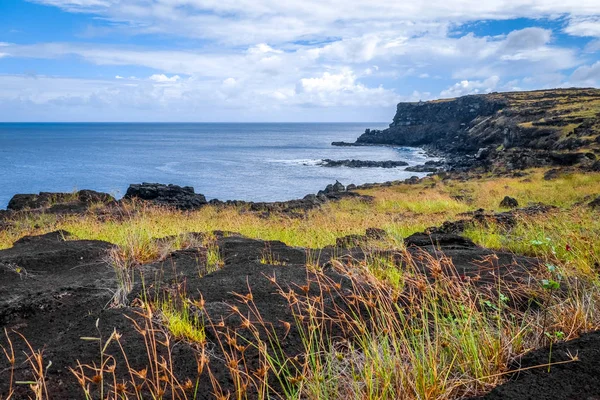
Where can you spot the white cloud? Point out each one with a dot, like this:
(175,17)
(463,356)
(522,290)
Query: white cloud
(587,75)
(329,82)
(471,87)
(276,21)
(162,78)
(584,26)
(262,48)
(593,46)
(229,82)
(294,54)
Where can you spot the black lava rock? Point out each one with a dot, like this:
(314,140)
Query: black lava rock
(509,202)
(183,198)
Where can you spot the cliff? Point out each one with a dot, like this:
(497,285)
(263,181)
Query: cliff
(560,126)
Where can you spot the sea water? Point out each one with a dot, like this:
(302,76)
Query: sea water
(254,162)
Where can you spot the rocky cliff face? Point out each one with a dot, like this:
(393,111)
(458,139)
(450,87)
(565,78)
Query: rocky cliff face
(422,123)
(522,129)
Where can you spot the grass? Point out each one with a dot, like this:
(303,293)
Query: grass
(569,237)
(400,210)
(181,322)
(394,333)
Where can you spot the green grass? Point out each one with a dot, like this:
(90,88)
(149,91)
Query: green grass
(181,322)
(569,237)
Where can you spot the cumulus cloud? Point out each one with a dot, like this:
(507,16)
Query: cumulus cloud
(162,78)
(584,26)
(471,87)
(587,75)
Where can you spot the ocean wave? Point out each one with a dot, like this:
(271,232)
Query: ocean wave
(307,161)
(169,167)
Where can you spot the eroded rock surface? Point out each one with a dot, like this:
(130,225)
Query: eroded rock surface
(362,163)
(573,380)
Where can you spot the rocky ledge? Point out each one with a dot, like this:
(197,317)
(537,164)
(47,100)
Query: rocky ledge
(362,164)
(172,195)
(58,202)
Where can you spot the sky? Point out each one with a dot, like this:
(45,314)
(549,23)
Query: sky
(281,60)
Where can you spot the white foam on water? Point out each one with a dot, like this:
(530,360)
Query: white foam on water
(169,167)
(307,161)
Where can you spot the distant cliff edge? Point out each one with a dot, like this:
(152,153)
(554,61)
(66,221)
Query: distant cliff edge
(516,129)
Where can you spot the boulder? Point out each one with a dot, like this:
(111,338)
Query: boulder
(595,204)
(422,168)
(338,187)
(509,202)
(82,198)
(482,153)
(183,198)
(552,174)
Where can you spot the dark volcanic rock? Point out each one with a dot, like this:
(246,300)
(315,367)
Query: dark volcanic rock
(429,166)
(38,268)
(362,164)
(77,200)
(595,204)
(573,380)
(55,292)
(471,262)
(504,219)
(552,174)
(352,241)
(509,202)
(442,240)
(183,198)
(417,124)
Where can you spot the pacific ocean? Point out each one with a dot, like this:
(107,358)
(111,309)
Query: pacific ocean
(257,162)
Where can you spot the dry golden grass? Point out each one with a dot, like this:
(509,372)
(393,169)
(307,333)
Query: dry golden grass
(400,210)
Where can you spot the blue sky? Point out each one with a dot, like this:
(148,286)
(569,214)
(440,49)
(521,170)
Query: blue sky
(273,60)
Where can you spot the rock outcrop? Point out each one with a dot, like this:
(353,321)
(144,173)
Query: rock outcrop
(183,198)
(509,202)
(417,124)
(362,163)
(82,198)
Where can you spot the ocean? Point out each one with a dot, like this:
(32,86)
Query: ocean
(255,162)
